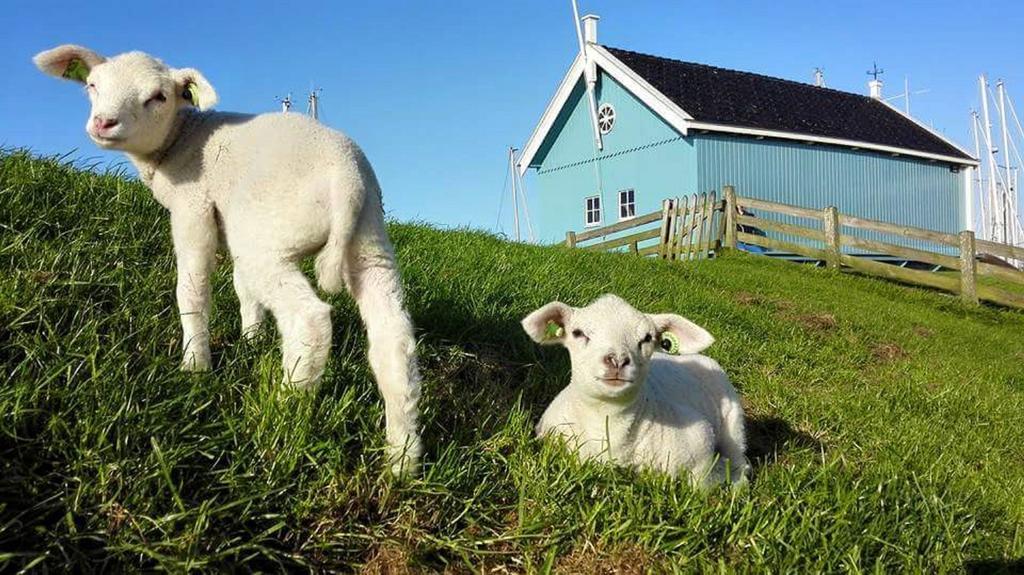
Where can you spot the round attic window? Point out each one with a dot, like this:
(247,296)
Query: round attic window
(606,118)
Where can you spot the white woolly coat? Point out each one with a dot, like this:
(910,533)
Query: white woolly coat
(685,418)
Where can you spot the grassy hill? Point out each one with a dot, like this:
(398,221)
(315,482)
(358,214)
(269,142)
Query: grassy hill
(886,422)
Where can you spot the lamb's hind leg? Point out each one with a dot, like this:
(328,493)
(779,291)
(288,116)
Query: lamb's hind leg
(303,320)
(375,285)
(732,441)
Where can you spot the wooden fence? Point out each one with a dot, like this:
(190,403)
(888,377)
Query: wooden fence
(693,228)
(833,237)
(687,229)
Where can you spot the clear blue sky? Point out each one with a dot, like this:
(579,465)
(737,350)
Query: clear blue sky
(435,92)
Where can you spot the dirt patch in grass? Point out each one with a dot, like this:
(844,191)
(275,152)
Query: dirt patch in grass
(787,310)
(817,322)
(390,560)
(748,299)
(923,332)
(598,560)
(42,277)
(886,352)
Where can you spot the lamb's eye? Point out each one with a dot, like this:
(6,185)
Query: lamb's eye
(647,339)
(157,97)
(577,333)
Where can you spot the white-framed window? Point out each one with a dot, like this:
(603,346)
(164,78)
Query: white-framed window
(627,204)
(592,210)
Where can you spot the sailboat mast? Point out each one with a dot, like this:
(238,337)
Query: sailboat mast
(1008,231)
(515,192)
(993,193)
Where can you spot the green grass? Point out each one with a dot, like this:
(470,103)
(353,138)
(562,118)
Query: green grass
(886,422)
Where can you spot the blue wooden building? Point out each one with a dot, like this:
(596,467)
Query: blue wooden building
(670,128)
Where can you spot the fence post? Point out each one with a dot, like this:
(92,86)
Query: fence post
(830,219)
(570,239)
(968,268)
(667,215)
(730,210)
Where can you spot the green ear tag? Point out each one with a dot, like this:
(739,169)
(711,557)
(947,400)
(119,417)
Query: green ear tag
(191,93)
(553,331)
(670,343)
(76,70)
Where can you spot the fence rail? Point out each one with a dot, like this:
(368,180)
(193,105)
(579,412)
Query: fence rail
(695,227)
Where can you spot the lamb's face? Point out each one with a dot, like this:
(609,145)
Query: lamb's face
(611,343)
(133,103)
(134,96)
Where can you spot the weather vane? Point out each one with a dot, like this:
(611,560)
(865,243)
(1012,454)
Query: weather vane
(874,72)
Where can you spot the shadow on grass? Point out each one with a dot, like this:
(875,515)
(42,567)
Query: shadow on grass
(769,438)
(984,566)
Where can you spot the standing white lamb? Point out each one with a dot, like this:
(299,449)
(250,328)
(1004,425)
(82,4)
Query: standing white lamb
(276,188)
(627,405)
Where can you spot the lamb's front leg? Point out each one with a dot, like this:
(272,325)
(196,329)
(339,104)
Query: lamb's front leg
(195,245)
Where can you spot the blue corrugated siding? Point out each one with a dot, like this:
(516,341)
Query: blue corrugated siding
(899,190)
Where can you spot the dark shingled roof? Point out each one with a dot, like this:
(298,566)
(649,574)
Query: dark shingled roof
(733,98)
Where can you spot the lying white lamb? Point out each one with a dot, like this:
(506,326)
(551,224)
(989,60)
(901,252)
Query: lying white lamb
(627,405)
(276,188)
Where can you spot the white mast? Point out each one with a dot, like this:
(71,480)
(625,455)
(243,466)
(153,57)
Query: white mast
(977,170)
(1008,207)
(906,93)
(993,193)
(589,73)
(515,194)
(526,205)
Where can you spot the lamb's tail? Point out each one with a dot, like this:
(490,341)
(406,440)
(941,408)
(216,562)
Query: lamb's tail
(345,207)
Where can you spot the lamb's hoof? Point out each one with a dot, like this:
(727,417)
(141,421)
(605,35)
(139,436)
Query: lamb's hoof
(251,333)
(405,459)
(307,385)
(740,484)
(196,362)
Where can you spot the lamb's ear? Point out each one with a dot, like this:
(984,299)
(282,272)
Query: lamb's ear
(193,89)
(547,324)
(69,62)
(688,337)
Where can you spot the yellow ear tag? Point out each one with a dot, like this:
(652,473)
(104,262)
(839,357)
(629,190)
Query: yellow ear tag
(191,93)
(670,343)
(553,331)
(76,70)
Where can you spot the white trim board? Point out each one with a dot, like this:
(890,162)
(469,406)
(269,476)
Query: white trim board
(927,128)
(547,120)
(683,122)
(833,141)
